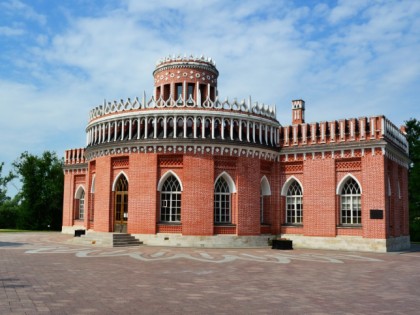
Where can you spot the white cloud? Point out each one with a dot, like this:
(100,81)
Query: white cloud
(11,31)
(346,9)
(18,8)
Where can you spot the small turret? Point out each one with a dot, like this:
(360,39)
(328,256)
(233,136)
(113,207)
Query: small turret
(298,112)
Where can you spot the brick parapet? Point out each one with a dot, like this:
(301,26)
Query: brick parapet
(74,156)
(345,132)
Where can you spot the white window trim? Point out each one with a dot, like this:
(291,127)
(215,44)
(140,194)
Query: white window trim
(92,186)
(78,192)
(228,179)
(343,182)
(288,182)
(265,186)
(165,176)
(114,184)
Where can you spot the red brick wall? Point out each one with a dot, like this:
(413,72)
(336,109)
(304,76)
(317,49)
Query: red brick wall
(404,202)
(103,182)
(319,214)
(319,177)
(275,198)
(373,194)
(142,195)
(68,199)
(197,197)
(397,203)
(248,186)
(321,205)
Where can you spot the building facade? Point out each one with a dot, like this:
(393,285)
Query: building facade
(184,168)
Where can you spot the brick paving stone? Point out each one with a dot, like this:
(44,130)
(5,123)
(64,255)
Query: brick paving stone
(41,273)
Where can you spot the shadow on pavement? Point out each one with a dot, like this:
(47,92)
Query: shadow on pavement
(10,283)
(11,244)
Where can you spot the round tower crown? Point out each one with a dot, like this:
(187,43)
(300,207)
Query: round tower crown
(191,61)
(185,78)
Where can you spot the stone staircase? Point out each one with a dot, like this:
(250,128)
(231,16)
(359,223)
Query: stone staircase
(122,240)
(103,239)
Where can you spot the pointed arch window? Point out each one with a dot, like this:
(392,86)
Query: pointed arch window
(82,205)
(79,204)
(222,202)
(294,206)
(351,210)
(122,184)
(170,200)
(265,191)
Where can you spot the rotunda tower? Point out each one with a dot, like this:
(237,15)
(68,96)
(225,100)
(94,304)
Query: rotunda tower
(185,109)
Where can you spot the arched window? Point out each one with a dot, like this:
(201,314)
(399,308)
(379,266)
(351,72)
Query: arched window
(82,205)
(170,200)
(121,184)
(79,205)
(222,202)
(294,209)
(265,191)
(351,210)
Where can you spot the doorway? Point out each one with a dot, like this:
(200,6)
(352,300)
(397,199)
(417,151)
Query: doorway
(121,205)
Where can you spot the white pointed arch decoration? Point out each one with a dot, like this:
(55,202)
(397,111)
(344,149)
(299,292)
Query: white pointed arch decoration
(92,186)
(165,176)
(114,184)
(265,187)
(287,184)
(343,182)
(78,194)
(228,179)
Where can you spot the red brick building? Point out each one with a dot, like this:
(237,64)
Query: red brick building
(185,168)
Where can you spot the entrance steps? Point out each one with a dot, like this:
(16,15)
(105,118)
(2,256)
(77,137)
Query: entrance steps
(104,239)
(124,239)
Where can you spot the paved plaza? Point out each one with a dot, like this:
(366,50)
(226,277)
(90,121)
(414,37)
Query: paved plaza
(44,273)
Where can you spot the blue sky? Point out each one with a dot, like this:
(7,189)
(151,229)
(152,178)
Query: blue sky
(59,59)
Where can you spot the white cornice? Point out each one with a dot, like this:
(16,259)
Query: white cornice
(181,113)
(219,150)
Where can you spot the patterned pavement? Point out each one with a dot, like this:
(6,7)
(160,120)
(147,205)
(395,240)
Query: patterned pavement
(41,273)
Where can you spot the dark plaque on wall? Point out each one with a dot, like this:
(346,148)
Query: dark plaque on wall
(376,214)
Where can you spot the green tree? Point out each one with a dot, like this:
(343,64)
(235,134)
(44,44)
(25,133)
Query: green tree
(8,206)
(42,191)
(3,185)
(9,213)
(413,137)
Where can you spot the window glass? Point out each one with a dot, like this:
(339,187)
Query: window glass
(222,202)
(294,207)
